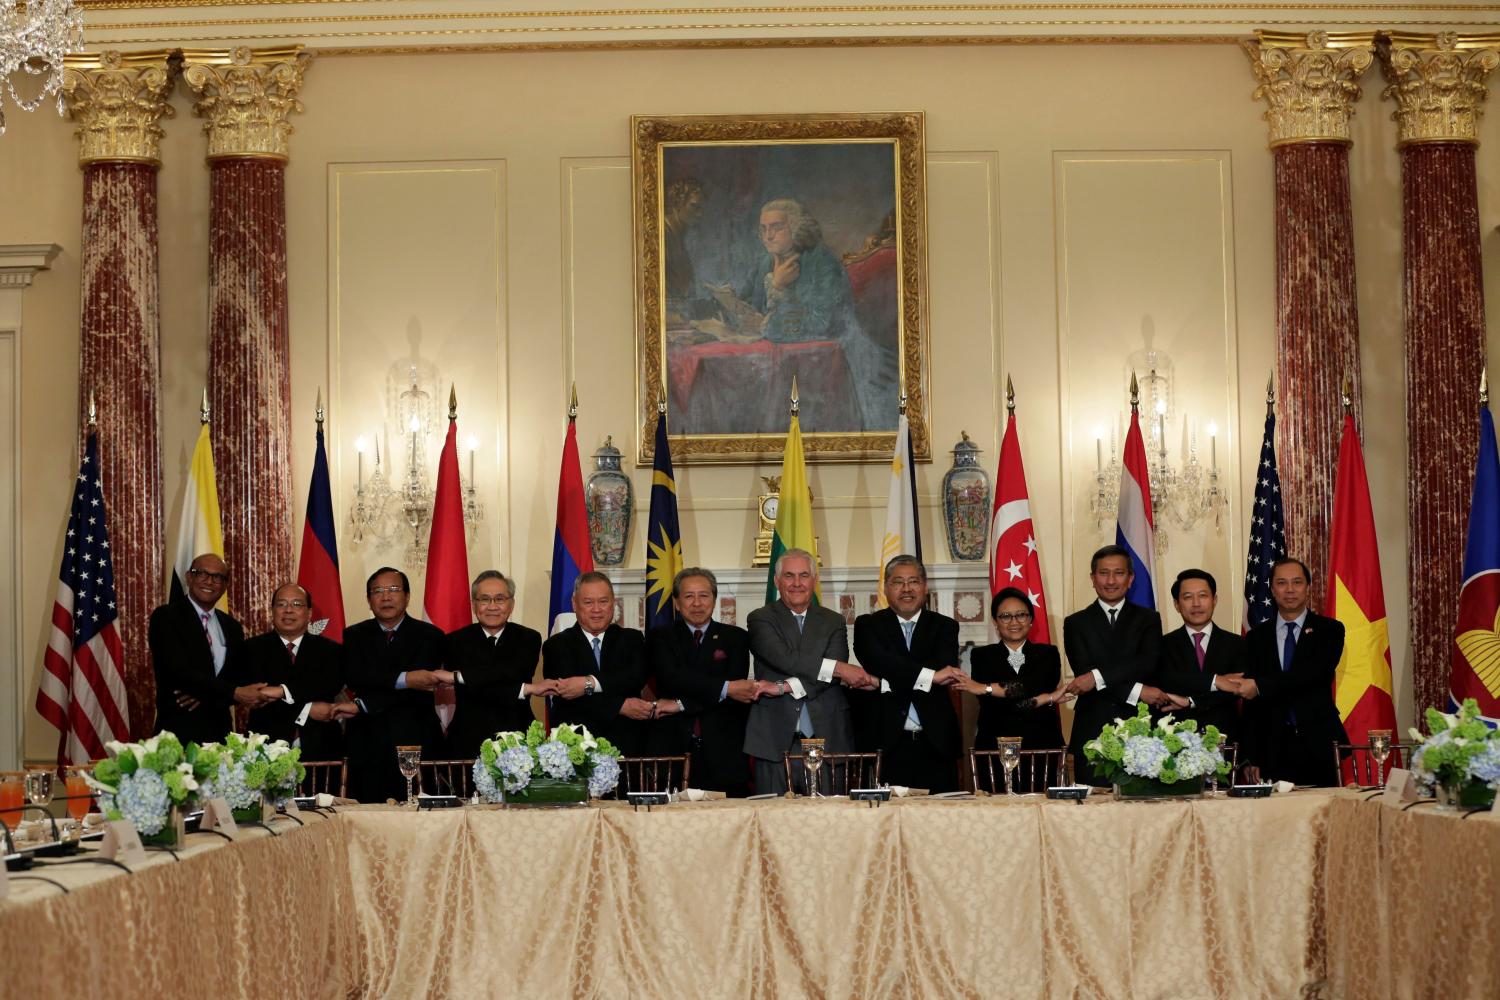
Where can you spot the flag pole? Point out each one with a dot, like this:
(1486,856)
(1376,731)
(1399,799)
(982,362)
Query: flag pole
(1346,394)
(794,395)
(573,405)
(1270,394)
(203,407)
(93,413)
(318,413)
(1484,386)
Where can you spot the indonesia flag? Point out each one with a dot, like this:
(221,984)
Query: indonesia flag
(318,566)
(445,598)
(1013,552)
(1476,646)
(572,555)
(1134,529)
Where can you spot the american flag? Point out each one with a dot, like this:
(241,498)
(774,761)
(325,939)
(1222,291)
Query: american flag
(1267,532)
(82,691)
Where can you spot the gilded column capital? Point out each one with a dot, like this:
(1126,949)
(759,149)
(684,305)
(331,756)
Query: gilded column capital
(1438,83)
(246,95)
(118,102)
(1309,82)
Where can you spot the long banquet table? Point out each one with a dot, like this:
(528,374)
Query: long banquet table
(1308,894)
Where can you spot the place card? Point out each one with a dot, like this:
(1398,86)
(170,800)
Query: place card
(218,816)
(122,843)
(4,880)
(1400,787)
(291,807)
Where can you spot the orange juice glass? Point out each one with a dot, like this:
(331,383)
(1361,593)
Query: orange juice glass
(12,797)
(78,796)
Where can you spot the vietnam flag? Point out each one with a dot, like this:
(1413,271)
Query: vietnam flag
(445,597)
(1362,686)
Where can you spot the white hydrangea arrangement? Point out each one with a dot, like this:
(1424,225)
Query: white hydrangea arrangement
(510,763)
(143,781)
(1169,752)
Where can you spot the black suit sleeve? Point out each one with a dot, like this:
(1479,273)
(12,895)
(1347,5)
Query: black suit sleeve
(1141,648)
(899,667)
(696,689)
(1047,672)
(1312,672)
(505,677)
(172,661)
(624,674)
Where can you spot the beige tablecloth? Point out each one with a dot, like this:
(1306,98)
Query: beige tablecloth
(1312,894)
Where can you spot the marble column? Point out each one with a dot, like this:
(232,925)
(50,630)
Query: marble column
(1310,84)
(246,96)
(1438,84)
(117,102)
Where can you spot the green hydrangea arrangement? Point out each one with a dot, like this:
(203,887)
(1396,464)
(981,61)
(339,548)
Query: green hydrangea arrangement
(1168,752)
(143,781)
(1461,750)
(509,761)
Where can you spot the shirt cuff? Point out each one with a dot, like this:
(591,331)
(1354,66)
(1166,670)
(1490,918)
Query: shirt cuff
(401,681)
(521,693)
(1098,680)
(302,715)
(924,679)
(798,691)
(598,688)
(1135,695)
(885,686)
(286,696)
(724,691)
(825,672)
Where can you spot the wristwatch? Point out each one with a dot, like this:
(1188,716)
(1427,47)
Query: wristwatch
(989,689)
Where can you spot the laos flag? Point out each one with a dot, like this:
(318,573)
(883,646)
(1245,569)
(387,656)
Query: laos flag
(572,555)
(1134,529)
(1476,644)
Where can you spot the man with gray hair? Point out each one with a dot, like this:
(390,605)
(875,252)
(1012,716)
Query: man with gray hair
(703,687)
(491,664)
(600,668)
(801,653)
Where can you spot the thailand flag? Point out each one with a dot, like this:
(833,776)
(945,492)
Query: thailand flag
(1476,644)
(318,566)
(572,554)
(1134,529)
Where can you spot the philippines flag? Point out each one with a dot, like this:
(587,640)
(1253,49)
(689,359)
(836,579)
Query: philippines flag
(572,553)
(82,691)
(1476,646)
(445,597)
(1013,553)
(318,566)
(1134,529)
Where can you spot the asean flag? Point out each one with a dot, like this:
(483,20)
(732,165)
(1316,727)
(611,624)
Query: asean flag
(1476,644)
(1356,597)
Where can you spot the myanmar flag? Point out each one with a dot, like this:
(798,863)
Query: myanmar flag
(794,527)
(1362,686)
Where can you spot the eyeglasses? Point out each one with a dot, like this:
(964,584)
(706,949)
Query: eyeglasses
(393,589)
(485,600)
(279,605)
(209,575)
(1006,617)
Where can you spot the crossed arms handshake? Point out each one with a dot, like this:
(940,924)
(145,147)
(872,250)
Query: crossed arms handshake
(256,695)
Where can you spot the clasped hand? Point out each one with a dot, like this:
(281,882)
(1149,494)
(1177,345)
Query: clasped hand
(1237,684)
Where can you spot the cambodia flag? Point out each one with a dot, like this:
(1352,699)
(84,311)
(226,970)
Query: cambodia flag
(572,554)
(318,566)
(1134,529)
(1476,646)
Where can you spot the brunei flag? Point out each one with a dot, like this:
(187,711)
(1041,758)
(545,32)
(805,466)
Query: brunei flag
(572,554)
(318,566)
(794,527)
(1362,685)
(663,537)
(1476,647)
(199,529)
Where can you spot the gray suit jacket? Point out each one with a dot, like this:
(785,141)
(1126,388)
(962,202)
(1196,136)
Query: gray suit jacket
(781,653)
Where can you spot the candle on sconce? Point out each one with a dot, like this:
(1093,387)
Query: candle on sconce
(1161,426)
(359,460)
(1099,449)
(473,443)
(414,426)
(1213,446)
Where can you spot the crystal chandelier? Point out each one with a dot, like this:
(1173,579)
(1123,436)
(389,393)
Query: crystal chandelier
(371,514)
(34,37)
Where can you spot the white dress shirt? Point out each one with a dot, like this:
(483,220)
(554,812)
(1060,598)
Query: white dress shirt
(1135,689)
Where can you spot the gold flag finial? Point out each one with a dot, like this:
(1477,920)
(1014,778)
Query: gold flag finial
(319,411)
(94,411)
(901,408)
(794,395)
(1484,386)
(1135,393)
(1270,392)
(203,407)
(452,402)
(1010,396)
(1346,393)
(661,407)
(573,404)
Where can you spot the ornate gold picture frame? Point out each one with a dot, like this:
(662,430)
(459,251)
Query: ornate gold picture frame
(774,247)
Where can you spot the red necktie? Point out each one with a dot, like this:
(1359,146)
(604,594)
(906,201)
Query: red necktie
(1198,648)
(291,651)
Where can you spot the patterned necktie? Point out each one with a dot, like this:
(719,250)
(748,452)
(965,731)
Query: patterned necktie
(907,628)
(597,664)
(698,636)
(1198,648)
(291,651)
(390,634)
(206,633)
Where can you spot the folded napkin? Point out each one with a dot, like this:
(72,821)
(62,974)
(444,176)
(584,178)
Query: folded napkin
(902,792)
(698,795)
(1282,787)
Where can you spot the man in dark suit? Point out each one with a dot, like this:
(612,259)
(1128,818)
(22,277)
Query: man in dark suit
(303,674)
(1112,647)
(914,652)
(801,652)
(1198,659)
(391,663)
(702,671)
(1291,719)
(491,664)
(194,648)
(600,668)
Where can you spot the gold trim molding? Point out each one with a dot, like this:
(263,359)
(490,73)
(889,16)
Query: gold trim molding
(118,101)
(246,95)
(1438,83)
(1309,82)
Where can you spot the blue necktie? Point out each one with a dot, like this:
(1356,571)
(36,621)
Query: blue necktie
(1288,650)
(804,718)
(912,722)
(596,652)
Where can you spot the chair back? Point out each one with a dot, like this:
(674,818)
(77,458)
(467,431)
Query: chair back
(839,773)
(653,774)
(1037,771)
(446,777)
(329,777)
(1354,762)
(1231,752)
